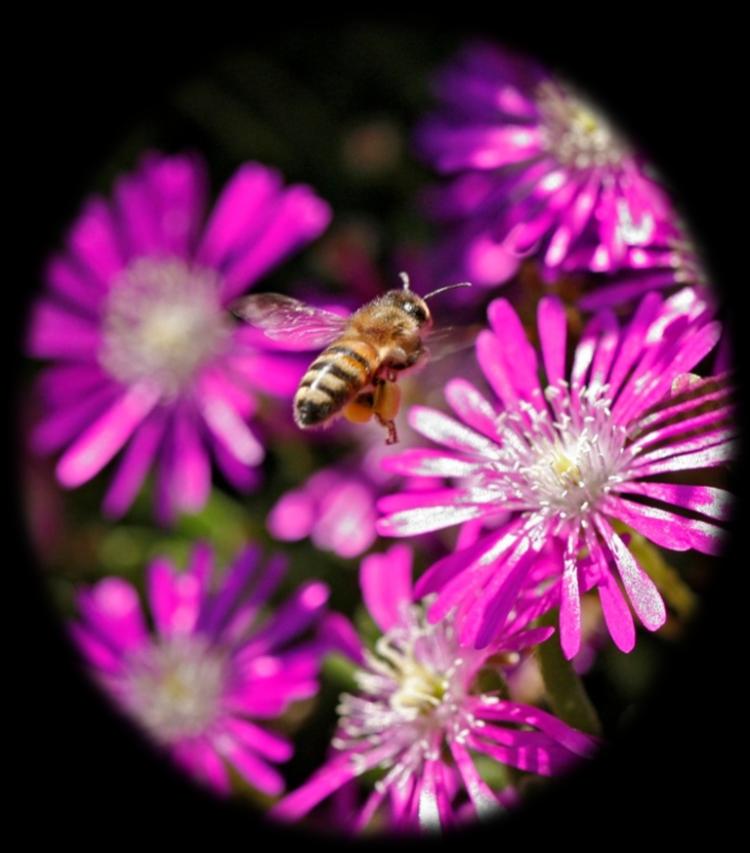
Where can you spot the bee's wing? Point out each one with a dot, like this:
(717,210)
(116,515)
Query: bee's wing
(446,340)
(290,321)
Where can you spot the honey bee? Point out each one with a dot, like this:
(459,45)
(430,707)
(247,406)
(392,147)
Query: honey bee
(355,375)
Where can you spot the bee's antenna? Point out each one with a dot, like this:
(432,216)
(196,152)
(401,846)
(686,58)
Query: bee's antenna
(447,287)
(404,276)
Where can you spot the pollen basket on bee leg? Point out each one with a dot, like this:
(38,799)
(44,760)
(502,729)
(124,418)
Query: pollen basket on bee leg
(359,411)
(387,400)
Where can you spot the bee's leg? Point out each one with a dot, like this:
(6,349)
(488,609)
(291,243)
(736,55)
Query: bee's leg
(392,437)
(386,405)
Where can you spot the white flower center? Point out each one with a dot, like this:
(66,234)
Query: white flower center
(563,463)
(163,320)
(174,686)
(419,688)
(575,134)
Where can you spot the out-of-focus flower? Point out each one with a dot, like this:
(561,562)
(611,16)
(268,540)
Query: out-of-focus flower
(135,315)
(421,716)
(568,459)
(668,263)
(211,667)
(335,508)
(538,170)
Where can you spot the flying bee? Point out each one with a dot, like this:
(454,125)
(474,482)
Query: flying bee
(355,375)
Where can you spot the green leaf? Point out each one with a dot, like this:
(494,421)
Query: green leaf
(565,691)
(223,522)
(495,774)
(489,680)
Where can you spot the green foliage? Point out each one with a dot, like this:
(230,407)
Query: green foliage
(565,691)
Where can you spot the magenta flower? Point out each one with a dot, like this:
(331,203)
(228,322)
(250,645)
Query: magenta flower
(669,262)
(568,458)
(538,170)
(211,668)
(420,714)
(335,508)
(146,356)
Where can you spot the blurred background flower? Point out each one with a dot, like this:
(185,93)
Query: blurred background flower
(148,357)
(539,170)
(212,666)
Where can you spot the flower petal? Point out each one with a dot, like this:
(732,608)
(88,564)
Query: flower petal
(617,615)
(472,407)
(553,325)
(101,441)
(178,186)
(667,528)
(134,466)
(256,772)
(94,241)
(450,433)
(422,462)
(239,214)
(269,744)
(707,500)
(289,620)
(175,599)
(299,217)
(63,424)
(643,594)
(57,332)
(385,581)
(455,148)
(570,601)
(111,608)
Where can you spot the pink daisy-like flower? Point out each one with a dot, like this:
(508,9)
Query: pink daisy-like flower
(135,317)
(335,508)
(669,262)
(211,667)
(538,170)
(567,458)
(420,715)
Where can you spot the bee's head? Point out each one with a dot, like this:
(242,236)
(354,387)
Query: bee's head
(416,306)
(412,305)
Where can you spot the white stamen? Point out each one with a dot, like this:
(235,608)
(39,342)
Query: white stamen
(414,691)
(576,135)
(174,686)
(560,461)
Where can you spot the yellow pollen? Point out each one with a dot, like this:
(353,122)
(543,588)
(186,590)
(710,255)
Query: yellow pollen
(174,688)
(586,120)
(421,690)
(567,470)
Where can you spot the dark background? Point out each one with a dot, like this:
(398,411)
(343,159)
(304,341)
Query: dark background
(75,93)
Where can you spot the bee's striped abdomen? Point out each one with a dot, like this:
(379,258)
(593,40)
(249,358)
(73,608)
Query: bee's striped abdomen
(333,379)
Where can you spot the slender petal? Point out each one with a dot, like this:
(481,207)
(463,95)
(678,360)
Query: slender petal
(101,441)
(385,580)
